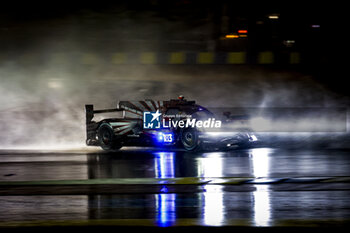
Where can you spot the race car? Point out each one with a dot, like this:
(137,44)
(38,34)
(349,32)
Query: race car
(171,123)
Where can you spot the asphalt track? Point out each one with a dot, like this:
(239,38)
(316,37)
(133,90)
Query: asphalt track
(261,188)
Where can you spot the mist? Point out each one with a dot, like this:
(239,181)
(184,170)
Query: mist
(44,107)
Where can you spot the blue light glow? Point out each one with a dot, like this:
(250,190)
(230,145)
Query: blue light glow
(165,137)
(164,165)
(160,137)
(164,189)
(165,202)
(166,212)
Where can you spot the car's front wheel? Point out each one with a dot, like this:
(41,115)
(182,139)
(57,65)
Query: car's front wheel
(107,138)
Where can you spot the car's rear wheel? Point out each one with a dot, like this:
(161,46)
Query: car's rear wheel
(189,139)
(107,138)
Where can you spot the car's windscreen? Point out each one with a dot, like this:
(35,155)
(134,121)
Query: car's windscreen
(202,115)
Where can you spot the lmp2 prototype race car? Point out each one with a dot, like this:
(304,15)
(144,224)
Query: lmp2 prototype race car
(172,123)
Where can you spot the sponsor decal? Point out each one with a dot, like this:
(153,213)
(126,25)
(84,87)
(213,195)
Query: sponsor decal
(151,120)
(194,123)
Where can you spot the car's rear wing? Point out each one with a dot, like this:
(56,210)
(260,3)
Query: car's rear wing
(90,112)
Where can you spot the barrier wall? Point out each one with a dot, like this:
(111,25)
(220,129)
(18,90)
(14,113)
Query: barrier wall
(153,58)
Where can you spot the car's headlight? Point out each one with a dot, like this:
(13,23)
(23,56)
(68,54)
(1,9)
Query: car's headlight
(253,138)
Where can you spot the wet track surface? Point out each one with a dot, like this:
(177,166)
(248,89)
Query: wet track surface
(259,162)
(205,204)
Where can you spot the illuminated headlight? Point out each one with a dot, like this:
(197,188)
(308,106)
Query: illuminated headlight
(160,137)
(253,138)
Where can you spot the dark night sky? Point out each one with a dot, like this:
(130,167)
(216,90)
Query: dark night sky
(97,25)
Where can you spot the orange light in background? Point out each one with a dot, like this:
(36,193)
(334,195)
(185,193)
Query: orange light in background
(243,35)
(231,36)
(242,31)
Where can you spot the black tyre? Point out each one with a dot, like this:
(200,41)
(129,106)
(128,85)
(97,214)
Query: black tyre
(107,138)
(189,139)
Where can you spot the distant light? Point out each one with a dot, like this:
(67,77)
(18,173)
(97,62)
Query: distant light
(273,17)
(315,26)
(289,43)
(242,31)
(231,36)
(243,36)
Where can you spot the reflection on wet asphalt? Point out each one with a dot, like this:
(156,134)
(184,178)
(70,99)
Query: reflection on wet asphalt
(259,162)
(214,206)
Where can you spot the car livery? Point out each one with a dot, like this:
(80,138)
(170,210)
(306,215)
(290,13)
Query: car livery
(171,123)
